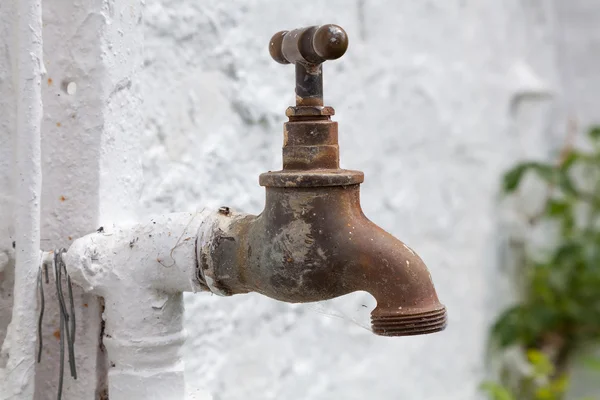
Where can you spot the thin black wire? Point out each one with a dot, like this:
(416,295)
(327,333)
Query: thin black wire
(61,371)
(71,343)
(72,304)
(68,318)
(61,300)
(58,276)
(41,317)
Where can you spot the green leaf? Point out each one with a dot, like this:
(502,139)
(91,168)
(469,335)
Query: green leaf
(594,132)
(560,385)
(541,363)
(544,393)
(592,363)
(567,253)
(566,184)
(496,391)
(571,158)
(557,208)
(508,327)
(513,177)
(554,390)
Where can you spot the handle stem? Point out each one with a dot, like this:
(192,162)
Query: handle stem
(309,85)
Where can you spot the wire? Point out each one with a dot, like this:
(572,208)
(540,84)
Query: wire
(61,371)
(41,317)
(67,318)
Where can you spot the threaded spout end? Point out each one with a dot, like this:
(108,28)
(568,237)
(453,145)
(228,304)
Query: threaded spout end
(401,323)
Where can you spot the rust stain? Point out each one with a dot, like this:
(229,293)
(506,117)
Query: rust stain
(70,238)
(85,305)
(56,334)
(49,81)
(58,124)
(62,198)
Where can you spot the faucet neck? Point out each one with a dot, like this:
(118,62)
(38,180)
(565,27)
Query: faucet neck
(310,145)
(311,156)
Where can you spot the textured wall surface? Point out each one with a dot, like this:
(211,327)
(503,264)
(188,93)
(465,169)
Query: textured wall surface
(578,44)
(8,127)
(434,100)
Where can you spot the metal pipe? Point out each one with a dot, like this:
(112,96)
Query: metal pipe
(21,338)
(141,271)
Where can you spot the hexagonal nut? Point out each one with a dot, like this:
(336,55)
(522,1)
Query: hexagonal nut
(309,111)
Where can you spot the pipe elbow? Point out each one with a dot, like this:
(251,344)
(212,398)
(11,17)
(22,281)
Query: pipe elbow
(155,255)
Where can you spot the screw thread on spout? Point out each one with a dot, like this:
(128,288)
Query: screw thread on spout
(407,324)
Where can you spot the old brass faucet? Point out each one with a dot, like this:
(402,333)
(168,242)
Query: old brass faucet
(312,241)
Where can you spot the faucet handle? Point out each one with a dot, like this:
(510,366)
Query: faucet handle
(311,45)
(308,48)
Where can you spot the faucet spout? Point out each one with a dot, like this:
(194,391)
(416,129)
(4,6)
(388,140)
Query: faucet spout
(407,303)
(315,243)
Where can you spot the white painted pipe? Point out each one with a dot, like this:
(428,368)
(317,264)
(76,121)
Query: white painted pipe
(19,344)
(141,271)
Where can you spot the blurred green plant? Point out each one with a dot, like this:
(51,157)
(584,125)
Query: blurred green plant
(559,309)
(539,383)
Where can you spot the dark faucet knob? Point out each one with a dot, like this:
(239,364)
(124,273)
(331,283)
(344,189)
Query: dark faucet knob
(307,48)
(312,45)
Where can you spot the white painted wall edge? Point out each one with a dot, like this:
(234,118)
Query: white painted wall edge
(19,374)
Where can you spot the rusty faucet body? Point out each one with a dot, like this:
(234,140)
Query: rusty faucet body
(312,241)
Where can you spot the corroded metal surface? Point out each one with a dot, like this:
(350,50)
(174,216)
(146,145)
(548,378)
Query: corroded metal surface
(312,244)
(312,241)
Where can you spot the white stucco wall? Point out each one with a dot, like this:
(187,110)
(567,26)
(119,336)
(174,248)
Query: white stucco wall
(434,100)
(8,127)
